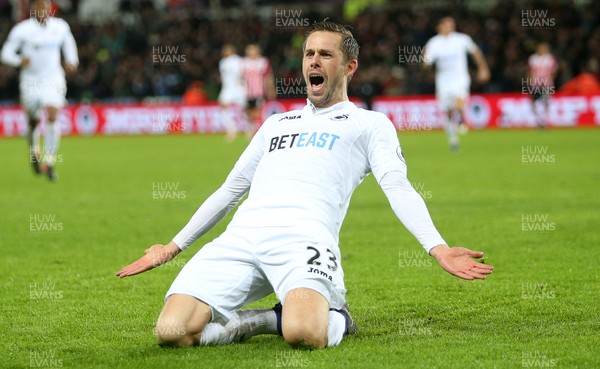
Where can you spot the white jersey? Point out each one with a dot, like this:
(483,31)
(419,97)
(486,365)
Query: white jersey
(42,45)
(231,69)
(449,53)
(301,169)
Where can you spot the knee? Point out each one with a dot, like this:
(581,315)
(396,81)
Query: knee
(52,113)
(172,333)
(302,335)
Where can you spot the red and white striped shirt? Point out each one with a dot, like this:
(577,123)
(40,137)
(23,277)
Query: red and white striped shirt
(541,70)
(255,71)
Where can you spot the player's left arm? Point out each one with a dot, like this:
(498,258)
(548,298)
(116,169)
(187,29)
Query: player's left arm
(389,167)
(69,49)
(483,71)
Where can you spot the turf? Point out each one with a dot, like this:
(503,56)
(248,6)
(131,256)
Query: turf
(536,217)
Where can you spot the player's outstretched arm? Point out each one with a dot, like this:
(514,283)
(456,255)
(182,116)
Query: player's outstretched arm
(458,262)
(483,71)
(154,256)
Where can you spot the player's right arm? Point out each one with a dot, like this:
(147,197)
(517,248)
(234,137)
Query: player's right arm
(428,54)
(208,214)
(9,54)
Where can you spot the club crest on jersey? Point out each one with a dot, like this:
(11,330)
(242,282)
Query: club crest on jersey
(400,154)
(340,117)
(290,117)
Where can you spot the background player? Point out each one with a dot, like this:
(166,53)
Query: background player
(35,46)
(448,51)
(232,97)
(542,67)
(259,82)
(300,170)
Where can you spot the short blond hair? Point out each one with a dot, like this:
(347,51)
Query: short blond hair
(348,44)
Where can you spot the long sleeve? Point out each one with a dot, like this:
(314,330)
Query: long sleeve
(410,208)
(9,55)
(389,168)
(69,48)
(226,197)
(213,210)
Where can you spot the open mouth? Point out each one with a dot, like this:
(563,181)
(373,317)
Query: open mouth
(316,80)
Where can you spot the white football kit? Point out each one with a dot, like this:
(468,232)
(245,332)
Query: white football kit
(300,171)
(42,82)
(449,53)
(233,90)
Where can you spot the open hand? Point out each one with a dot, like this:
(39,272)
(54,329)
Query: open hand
(458,262)
(154,256)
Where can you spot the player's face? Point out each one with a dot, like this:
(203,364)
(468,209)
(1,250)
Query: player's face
(446,26)
(40,9)
(543,48)
(252,51)
(325,70)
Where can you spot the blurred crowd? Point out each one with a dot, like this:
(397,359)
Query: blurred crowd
(146,52)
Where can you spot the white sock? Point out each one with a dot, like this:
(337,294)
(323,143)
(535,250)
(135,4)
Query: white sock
(51,142)
(227,118)
(242,325)
(215,334)
(33,139)
(336,328)
(451,131)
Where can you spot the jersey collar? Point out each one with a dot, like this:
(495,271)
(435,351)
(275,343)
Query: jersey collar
(342,105)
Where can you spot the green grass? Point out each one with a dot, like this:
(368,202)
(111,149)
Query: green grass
(63,306)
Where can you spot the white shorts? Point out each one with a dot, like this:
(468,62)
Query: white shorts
(38,93)
(447,93)
(244,265)
(232,96)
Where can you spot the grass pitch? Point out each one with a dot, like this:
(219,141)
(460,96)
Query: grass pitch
(528,199)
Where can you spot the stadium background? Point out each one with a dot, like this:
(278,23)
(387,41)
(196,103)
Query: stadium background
(527,198)
(122,44)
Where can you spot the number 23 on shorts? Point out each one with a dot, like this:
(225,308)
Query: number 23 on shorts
(319,258)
